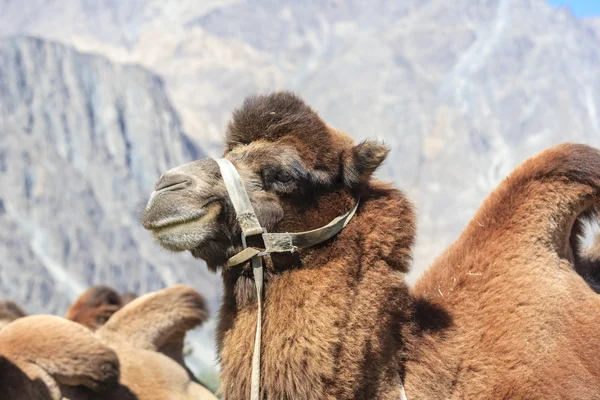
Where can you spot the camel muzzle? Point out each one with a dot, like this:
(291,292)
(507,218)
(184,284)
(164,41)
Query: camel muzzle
(179,185)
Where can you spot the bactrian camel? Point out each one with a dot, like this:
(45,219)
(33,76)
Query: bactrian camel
(97,304)
(502,314)
(42,354)
(336,315)
(132,357)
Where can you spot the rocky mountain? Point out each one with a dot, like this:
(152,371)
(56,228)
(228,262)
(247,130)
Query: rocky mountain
(462,91)
(82,141)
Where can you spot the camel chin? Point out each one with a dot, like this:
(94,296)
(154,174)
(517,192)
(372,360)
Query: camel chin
(188,234)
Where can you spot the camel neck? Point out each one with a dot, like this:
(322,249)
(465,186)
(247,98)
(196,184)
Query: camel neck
(325,303)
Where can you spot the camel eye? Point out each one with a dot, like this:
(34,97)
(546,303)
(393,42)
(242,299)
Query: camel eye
(283,177)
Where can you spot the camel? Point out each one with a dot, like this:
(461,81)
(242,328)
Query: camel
(96,305)
(173,311)
(503,313)
(510,310)
(336,314)
(131,357)
(9,311)
(40,354)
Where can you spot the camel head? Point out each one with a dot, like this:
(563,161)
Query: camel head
(299,174)
(95,306)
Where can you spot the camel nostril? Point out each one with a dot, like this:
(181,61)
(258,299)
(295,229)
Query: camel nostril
(172,182)
(172,186)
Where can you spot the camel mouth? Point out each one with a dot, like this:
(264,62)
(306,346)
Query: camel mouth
(154,219)
(172,221)
(180,233)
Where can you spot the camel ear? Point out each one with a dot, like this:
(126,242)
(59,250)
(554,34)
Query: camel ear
(156,319)
(362,160)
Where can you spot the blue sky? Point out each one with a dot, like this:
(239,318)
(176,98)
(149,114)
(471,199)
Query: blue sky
(580,7)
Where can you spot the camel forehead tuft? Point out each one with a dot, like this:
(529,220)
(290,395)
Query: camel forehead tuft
(274,116)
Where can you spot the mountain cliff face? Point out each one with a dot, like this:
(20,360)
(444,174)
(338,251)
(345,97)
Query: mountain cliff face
(82,141)
(462,91)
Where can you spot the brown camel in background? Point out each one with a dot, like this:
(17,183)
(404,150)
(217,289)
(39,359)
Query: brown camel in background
(96,305)
(335,315)
(504,313)
(41,354)
(46,357)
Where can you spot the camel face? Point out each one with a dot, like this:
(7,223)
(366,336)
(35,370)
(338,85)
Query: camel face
(290,162)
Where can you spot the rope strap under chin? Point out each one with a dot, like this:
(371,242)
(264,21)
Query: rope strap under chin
(274,243)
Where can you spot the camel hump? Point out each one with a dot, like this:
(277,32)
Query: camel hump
(567,162)
(65,350)
(562,182)
(157,319)
(544,200)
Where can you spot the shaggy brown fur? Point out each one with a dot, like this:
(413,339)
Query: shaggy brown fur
(518,321)
(96,305)
(503,313)
(143,329)
(169,325)
(9,311)
(334,315)
(50,352)
(53,358)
